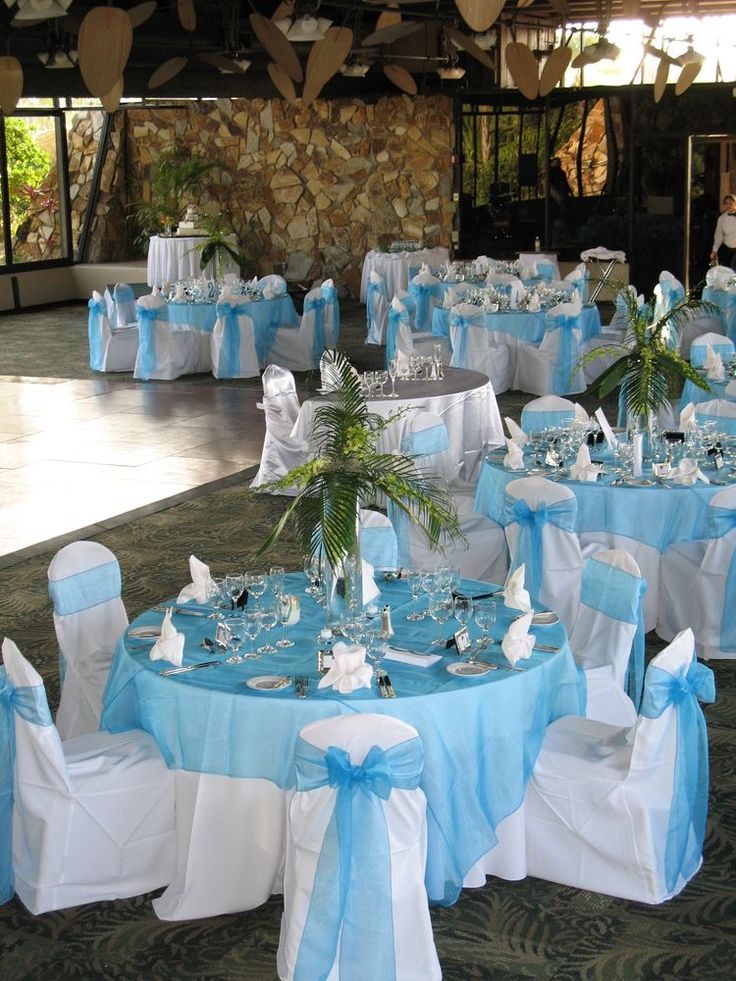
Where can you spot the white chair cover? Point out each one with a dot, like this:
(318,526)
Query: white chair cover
(403,342)
(167,351)
(299,349)
(331,314)
(110,349)
(123,299)
(275,283)
(550,367)
(281,451)
(548,547)
(668,292)
(376,309)
(473,346)
(89,617)
(547,412)
(607,640)
(481,553)
(578,278)
(232,342)
(379,927)
(718,277)
(378,544)
(94,816)
(719,342)
(698,583)
(622,811)
(720,411)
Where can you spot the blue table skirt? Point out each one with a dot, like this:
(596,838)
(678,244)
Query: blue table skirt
(279,311)
(726,303)
(525,326)
(481,736)
(657,516)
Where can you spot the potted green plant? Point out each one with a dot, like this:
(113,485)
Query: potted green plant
(347,472)
(216,248)
(648,366)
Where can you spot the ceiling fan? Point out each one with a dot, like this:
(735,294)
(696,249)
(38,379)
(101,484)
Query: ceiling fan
(689,61)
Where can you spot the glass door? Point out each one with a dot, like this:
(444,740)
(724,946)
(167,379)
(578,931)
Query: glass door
(711,174)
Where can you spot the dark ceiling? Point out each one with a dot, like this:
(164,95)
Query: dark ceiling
(223,28)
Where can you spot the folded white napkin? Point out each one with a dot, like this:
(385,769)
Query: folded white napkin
(514,458)
(349,671)
(687,472)
(518,643)
(201,585)
(409,657)
(516,432)
(370,589)
(170,645)
(534,304)
(253,282)
(687,419)
(606,428)
(713,364)
(583,469)
(569,309)
(450,298)
(514,594)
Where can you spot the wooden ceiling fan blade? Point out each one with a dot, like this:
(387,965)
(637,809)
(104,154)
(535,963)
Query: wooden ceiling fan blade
(523,3)
(187,14)
(468,45)
(522,65)
(111,100)
(140,13)
(277,45)
(164,73)
(659,53)
(660,79)
(11,83)
(282,82)
(283,11)
(388,18)
(387,35)
(554,69)
(687,76)
(223,63)
(479,14)
(104,43)
(581,60)
(324,61)
(401,78)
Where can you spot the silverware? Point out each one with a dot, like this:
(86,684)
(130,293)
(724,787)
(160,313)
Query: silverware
(301,684)
(381,682)
(390,693)
(189,667)
(180,611)
(509,667)
(547,648)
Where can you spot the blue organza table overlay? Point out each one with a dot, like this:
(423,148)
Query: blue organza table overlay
(481,736)
(525,325)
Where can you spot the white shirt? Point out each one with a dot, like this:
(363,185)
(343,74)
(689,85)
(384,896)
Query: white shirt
(725,231)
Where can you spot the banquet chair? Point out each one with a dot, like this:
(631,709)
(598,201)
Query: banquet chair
(355,903)
(539,519)
(621,811)
(300,348)
(165,350)
(276,284)
(93,816)
(376,309)
(378,543)
(233,344)
(722,412)
(402,341)
(698,583)
(506,283)
(579,277)
(547,412)
(607,639)
(551,367)
(123,299)
(332,313)
(668,292)
(281,451)
(89,618)
(473,346)
(426,291)
(718,342)
(480,551)
(110,348)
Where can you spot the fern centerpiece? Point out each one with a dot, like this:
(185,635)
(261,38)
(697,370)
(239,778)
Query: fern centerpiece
(347,473)
(648,366)
(217,247)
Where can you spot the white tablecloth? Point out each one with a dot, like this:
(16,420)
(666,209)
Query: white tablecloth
(177,257)
(465,400)
(394,267)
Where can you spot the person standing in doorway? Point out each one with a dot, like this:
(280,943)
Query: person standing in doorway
(724,240)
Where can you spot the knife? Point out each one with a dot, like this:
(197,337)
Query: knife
(546,648)
(189,667)
(181,610)
(480,596)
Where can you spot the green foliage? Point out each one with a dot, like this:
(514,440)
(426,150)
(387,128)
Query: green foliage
(28,166)
(215,248)
(348,472)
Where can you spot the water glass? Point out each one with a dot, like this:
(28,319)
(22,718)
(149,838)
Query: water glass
(484,615)
(234,637)
(393,365)
(283,608)
(255,583)
(415,584)
(440,609)
(269,619)
(234,586)
(276,577)
(251,625)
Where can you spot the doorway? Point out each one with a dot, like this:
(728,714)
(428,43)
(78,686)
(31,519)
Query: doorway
(711,168)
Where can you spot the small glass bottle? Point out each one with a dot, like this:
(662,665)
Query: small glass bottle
(537,244)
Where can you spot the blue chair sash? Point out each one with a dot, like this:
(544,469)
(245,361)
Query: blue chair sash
(545,271)
(426,442)
(371,314)
(421,293)
(329,295)
(319,343)
(529,547)
(229,363)
(86,589)
(97,309)
(689,807)
(123,293)
(351,893)
(395,318)
(378,546)
(619,594)
(566,359)
(147,317)
(721,521)
(30,703)
(460,347)
(534,421)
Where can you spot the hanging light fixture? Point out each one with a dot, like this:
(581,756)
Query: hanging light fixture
(41,9)
(304,28)
(354,69)
(58,58)
(451,73)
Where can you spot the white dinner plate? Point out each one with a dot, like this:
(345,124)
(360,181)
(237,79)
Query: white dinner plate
(466,670)
(268,682)
(545,619)
(145,633)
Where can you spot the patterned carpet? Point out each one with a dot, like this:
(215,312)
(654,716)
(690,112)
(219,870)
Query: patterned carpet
(505,931)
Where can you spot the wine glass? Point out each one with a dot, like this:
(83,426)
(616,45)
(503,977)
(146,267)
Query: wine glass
(218,598)
(284,604)
(393,365)
(255,583)
(251,625)
(269,619)
(375,647)
(484,615)
(276,577)
(312,572)
(234,586)
(234,639)
(440,609)
(381,379)
(415,584)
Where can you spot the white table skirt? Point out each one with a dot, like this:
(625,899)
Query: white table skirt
(177,257)
(465,400)
(394,267)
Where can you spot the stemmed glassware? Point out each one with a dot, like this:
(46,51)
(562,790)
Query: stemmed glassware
(393,365)
(283,608)
(484,615)
(381,379)
(269,619)
(313,573)
(415,584)
(375,647)
(440,609)
(255,583)
(234,639)
(252,627)
(218,598)
(276,577)
(234,586)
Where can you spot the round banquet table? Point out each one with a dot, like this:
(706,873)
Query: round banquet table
(395,266)
(236,744)
(175,257)
(644,520)
(523,325)
(465,400)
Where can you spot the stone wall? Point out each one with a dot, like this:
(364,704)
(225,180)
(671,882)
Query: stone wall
(332,180)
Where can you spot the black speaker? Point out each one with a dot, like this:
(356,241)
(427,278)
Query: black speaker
(528,169)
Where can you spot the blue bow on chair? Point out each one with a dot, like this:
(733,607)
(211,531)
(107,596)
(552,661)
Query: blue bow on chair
(147,317)
(229,366)
(721,521)
(351,893)
(421,292)
(97,309)
(566,359)
(30,703)
(531,525)
(319,343)
(460,348)
(689,808)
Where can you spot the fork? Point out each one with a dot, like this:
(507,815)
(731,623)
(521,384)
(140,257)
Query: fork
(301,683)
